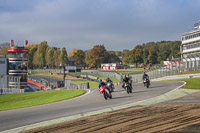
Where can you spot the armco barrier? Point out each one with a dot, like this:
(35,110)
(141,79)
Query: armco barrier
(35,83)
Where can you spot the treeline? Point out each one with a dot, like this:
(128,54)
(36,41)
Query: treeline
(153,52)
(41,55)
(94,57)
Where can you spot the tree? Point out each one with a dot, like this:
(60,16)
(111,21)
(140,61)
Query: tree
(4,51)
(152,57)
(73,51)
(50,60)
(79,57)
(96,56)
(57,57)
(145,55)
(39,56)
(137,55)
(64,57)
(112,57)
(31,53)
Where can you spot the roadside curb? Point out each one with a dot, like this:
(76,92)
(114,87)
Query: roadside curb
(173,94)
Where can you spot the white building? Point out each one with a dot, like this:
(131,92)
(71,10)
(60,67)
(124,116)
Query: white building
(190,47)
(112,66)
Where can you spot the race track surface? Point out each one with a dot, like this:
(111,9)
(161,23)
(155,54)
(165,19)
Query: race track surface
(92,101)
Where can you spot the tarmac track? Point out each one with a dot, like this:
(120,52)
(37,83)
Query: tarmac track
(94,101)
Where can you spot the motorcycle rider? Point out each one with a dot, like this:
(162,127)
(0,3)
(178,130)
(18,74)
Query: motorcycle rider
(146,76)
(127,78)
(102,83)
(108,80)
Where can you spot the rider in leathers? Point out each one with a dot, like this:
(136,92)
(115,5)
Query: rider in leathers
(147,77)
(126,79)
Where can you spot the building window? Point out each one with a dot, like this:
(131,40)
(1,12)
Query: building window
(18,66)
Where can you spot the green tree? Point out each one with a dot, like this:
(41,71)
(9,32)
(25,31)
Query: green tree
(138,55)
(145,55)
(79,57)
(112,57)
(31,53)
(49,58)
(4,51)
(64,57)
(57,57)
(39,56)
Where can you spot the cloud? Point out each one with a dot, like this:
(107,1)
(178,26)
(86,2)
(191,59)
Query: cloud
(117,24)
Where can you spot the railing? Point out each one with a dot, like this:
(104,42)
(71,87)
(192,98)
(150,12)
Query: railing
(6,86)
(104,74)
(176,66)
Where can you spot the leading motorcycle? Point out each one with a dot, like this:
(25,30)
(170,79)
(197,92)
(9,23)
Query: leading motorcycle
(106,93)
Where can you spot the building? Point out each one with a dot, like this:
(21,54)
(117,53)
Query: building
(13,67)
(112,66)
(190,47)
(17,64)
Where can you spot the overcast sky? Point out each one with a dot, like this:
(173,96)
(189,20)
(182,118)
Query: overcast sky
(118,24)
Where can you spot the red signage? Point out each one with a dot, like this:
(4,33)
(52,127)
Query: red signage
(17,50)
(12,43)
(26,43)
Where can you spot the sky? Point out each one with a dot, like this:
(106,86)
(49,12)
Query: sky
(116,24)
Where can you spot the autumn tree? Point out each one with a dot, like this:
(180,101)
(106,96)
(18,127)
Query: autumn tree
(96,56)
(73,51)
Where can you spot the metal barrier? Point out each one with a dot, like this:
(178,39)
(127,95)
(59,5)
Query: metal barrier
(176,66)
(82,86)
(104,74)
(48,82)
(9,84)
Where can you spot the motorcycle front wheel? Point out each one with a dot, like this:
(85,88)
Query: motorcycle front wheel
(105,95)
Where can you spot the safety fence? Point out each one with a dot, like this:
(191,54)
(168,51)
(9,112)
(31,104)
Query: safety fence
(104,74)
(82,86)
(175,66)
(53,83)
(48,82)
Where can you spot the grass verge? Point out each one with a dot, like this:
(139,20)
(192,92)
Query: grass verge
(21,100)
(92,84)
(191,83)
(191,72)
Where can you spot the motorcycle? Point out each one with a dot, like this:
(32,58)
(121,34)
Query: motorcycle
(110,86)
(106,93)
(146,82)
(127,87)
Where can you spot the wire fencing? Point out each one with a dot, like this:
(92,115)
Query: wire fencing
(104,74)
(175,66)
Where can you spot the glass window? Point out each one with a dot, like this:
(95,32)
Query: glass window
(17,66)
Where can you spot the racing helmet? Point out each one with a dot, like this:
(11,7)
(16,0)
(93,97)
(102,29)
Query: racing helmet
(100,80)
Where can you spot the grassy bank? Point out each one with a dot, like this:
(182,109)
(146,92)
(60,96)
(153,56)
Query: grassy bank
(191,72)
(21,100)
(92,84)
(191,83)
